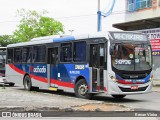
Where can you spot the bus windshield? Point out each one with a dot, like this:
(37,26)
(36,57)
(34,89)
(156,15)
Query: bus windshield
(132,57)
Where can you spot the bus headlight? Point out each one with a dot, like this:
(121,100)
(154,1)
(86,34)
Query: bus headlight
(151,78)
(114,79)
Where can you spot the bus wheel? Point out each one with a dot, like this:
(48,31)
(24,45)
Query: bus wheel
(81,90)
(119,96)
(27,83)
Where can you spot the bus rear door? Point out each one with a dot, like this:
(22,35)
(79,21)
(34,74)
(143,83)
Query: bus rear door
(52,66)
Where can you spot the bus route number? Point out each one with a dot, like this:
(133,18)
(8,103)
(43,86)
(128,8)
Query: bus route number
(122,62)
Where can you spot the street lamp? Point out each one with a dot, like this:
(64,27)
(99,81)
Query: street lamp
(71,31)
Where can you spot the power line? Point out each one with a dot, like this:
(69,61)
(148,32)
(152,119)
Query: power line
(113,13)
(70,17)
(7,21)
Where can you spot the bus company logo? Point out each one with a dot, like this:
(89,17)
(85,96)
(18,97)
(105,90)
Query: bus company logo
(38,69)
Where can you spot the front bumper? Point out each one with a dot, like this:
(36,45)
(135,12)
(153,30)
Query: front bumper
(125,89)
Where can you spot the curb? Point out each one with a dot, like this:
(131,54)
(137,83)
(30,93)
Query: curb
(156,83)
(12,108)
(60,109)
(15,108)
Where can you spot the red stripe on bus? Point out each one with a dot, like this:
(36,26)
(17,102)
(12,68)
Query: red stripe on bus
(16,69)
(124,82)
(42,79)
(63,84)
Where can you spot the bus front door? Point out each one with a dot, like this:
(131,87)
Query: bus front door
(97,67)
(52,66)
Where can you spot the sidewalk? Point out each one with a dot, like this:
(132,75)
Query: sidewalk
(156,83)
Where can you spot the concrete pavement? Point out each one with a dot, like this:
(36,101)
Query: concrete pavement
(16,98)
(42,100)
(156,83)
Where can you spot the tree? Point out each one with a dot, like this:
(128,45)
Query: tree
(5,40)
(34,24)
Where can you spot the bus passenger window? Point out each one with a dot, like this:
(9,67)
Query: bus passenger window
(27,54)
(79,52)
(101,55)
(94,55)
(39,54)
(17,55)
(10,56)
(66,52)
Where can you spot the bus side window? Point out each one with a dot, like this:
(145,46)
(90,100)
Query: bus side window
(27,54)
(94,55)
(53,56)
(79,52)
(101,55)
(10,56)
(39,53)
(29,57)
(17,55)
(66,52)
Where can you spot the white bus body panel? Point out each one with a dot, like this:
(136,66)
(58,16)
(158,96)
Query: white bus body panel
(115,90)
(13,76)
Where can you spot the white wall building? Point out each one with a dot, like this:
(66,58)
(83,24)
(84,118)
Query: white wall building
(144,16)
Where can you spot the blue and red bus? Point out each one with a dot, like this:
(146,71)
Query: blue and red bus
(113,63)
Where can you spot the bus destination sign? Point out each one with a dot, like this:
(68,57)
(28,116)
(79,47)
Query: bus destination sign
(129,36)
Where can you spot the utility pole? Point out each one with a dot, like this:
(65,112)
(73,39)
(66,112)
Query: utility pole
(99,17)
(100,14)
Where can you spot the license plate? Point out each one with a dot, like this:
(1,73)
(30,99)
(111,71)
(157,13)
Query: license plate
(134,87)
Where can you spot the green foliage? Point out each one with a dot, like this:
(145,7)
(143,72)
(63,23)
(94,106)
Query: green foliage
(34,24)
(5,40)
(49,26)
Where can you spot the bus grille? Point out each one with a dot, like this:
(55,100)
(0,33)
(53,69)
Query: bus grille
(130,90)
(133,76)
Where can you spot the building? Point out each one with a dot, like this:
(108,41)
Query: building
(144,16)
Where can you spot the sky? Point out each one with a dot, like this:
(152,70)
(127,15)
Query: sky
(77,15)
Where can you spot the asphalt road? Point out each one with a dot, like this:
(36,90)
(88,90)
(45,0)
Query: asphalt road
(139,102)
(17,96)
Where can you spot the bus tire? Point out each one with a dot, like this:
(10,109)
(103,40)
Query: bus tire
(27,83)
(119,96)
(81,90)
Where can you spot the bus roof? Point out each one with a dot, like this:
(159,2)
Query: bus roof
(64,38)
(58,38)
(2,48)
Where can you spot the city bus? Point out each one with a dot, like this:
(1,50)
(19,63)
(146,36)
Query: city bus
(109,63)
